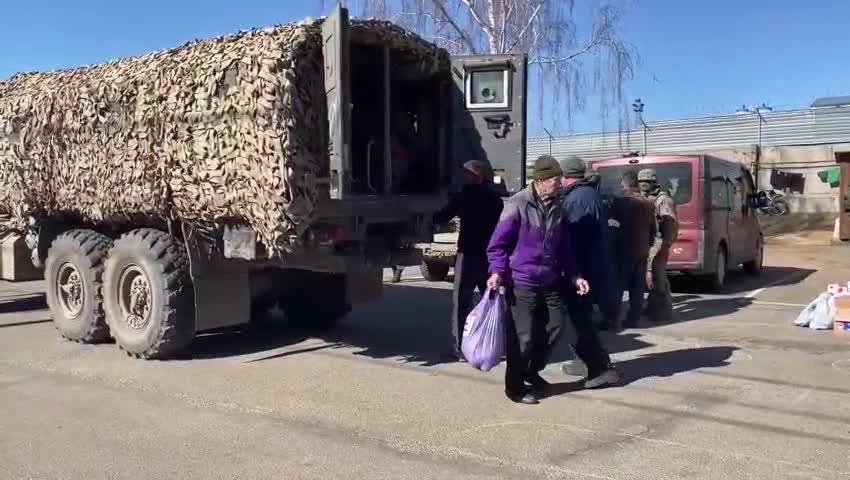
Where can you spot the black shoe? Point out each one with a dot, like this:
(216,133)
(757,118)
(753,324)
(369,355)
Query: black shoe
(608,378)
(539,385)
(456,355)
(525,399)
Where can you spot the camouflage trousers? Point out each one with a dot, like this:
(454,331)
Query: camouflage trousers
(659,304)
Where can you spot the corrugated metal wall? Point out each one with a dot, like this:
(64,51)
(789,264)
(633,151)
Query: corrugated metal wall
(813,126)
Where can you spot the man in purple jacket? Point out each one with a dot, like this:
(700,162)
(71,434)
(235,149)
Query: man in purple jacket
(529,253)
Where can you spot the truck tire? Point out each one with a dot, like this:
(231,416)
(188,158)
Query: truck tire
(318,304)
(148,295)
(434,271)
(74,275)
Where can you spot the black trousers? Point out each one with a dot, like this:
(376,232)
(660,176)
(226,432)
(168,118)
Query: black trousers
(633,278)
(470,273)
(588,345)
(537,318)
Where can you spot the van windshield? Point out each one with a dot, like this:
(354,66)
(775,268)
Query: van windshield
(676,178)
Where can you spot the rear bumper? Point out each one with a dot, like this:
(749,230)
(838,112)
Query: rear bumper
(691,268)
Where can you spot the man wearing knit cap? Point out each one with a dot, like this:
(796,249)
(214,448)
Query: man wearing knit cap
(585,214)
(530,254)
(478,207)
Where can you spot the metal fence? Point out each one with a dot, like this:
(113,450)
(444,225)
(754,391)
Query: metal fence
(813,126)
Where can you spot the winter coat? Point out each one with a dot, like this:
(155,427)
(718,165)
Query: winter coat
(531,246)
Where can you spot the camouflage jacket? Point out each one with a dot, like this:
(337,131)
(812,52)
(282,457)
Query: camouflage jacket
(665,215)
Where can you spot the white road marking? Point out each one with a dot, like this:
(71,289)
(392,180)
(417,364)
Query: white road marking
(778,304)
(789,277)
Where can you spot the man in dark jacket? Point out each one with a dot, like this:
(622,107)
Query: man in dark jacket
(636,215)
(478,206)
(584,212)
(530,253)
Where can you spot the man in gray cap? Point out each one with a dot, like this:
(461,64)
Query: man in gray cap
(584,212)
(530,253)
(660,301)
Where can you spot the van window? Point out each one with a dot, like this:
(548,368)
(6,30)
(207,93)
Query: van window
(720,197)
(676,178)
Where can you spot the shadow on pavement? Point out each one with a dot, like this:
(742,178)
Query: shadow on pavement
(23,303)
(245,340)
(739,282)
(410,323)
(688,308)
(25,323)
(664,364)
(667,364)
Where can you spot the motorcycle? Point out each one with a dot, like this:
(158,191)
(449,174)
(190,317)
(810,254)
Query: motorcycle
(773,203)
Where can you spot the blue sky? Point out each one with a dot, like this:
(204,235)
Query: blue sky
(698,58)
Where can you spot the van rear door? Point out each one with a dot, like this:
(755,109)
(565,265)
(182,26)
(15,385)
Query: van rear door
(680,176)
(489,115)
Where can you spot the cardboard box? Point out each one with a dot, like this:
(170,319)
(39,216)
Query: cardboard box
(841,322)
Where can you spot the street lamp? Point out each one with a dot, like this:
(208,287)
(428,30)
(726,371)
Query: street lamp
(550,140)
(637,107)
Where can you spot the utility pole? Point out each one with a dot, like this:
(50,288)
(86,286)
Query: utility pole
(550,140)
(637,107)
(757,110)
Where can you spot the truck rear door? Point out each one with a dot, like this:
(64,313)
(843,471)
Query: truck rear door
(489,115)
(335,49)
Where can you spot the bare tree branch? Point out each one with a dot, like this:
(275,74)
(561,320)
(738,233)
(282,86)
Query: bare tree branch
(440,6)
(470,5)
(569,66)
(549,60)
(521,34)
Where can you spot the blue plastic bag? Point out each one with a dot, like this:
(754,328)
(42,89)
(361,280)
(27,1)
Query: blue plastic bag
(483,342)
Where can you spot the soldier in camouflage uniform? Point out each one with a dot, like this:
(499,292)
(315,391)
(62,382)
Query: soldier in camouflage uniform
(660,302)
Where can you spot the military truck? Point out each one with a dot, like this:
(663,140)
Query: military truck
(190,189)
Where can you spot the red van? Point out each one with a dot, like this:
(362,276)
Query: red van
(718,226)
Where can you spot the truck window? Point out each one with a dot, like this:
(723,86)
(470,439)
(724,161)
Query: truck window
(487,89)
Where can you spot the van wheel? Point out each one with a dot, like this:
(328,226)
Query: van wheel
(434,271)
(73,273)
(718,278)
(148,294)
(754,266)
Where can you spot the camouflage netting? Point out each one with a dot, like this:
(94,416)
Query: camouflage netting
(227,128)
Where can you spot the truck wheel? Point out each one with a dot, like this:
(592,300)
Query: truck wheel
(74,274)
(754,266)
(318,304)
(434,271)
(148,294)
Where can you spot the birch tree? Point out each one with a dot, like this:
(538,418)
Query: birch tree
(569,61)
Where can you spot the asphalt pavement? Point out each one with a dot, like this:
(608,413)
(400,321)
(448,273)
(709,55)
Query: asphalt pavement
(730,390)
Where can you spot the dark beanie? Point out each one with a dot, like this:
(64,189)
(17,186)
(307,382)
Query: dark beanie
(546,167)
(573,167)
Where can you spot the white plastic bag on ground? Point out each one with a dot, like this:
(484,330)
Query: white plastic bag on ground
(805,317)
(823,313)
